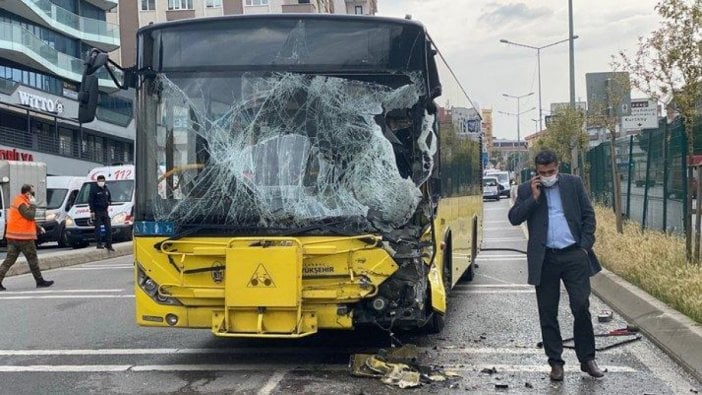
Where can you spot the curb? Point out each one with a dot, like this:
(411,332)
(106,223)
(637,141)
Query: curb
(677,335)
(54,260)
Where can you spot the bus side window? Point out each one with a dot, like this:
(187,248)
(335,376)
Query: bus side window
(71,199)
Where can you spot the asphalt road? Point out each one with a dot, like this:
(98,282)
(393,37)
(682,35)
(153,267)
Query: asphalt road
(80,337)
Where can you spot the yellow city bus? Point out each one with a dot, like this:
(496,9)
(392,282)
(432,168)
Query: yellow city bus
(297,173)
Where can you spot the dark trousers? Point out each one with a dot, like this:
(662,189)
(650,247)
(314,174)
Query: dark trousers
(573,268)
(102,218)
(26,247)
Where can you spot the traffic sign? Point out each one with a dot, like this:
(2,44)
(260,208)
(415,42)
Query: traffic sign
(644,115)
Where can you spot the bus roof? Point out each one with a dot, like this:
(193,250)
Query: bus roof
(268,17)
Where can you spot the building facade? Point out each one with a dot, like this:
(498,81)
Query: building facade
(487,128)
(42,44)
(131,15)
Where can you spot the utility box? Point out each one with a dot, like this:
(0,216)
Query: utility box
(14,174)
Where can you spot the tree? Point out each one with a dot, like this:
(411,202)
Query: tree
(606,115)
(565,133)
(667,66)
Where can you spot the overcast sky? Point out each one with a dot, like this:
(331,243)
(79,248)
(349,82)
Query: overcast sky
(468,33)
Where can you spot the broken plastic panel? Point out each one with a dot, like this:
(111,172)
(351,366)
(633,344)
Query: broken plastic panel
(287,150)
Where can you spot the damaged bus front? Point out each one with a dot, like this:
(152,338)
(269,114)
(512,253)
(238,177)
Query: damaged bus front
(288,177)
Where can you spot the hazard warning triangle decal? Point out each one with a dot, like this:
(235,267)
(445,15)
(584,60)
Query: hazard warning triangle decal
(261,279)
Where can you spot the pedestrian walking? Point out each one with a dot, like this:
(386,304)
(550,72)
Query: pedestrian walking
(561,224)
(21,235)
(99,202)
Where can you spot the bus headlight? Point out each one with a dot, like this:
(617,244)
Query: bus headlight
(151,288)
(69,221)
(119,219)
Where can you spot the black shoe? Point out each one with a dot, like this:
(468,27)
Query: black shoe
(99,247)
(2,288)
(591,368)
(109,248)
(44,283)
(556,372)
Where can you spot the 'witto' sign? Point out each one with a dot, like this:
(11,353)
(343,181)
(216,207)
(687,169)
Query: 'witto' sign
(40,102)
(644,115)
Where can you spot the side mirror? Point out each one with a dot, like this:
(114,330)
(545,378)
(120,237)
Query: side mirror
(87,98)
(88,95)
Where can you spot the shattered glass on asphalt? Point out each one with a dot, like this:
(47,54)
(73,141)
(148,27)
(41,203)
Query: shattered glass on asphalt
(290,150)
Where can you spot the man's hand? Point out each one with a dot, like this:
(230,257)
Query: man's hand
(42,230)
(92,216)
(536,187)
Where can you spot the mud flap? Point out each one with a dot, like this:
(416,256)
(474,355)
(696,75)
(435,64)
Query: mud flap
(263,293)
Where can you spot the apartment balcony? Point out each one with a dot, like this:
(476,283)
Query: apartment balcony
(97,33)
(19,45)
(103,4)
(301,8)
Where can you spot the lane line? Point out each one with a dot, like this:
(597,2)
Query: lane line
(504,239)
(272,382)
(492,278)
(496,256)
(254,350)
(60,291)
(512,291)
(96,268)
(279,369)
(502,259)
(66,297)
(506,285)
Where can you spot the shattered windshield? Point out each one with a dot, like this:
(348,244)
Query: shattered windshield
(284,150)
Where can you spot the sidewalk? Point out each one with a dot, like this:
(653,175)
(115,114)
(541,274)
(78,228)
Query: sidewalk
(63,258)
(676,334)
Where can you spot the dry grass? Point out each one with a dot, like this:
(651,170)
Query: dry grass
(653,261)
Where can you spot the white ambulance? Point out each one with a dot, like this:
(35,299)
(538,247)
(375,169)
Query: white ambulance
(61,192)
(80,230)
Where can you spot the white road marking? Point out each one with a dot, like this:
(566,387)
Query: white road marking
(506,285)
(65,297)
(280,369)
(511,291)
(103,266)
(60,291)
(97,268)
(272,382)
(499,256)
(502,259)
(492,278)
(504,239)
(63,368)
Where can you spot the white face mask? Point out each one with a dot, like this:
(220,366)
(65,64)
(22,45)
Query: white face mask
(549,181)
(101,184)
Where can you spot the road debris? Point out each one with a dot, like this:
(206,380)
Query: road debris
(399,367)
(489,370)
(529,385)
(605,316)
(501,386)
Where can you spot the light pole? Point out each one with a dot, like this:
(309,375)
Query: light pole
(518,111)
(536,125)
(538,59)
(517,114)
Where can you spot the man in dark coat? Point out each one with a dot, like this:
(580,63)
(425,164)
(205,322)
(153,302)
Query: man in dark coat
(99,202)
(561,224)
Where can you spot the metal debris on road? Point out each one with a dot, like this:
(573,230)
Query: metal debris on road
(399,367)
(489,370)
(605,316)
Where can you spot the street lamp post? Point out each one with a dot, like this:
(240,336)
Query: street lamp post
(518,111)
(538,60)
(517,114)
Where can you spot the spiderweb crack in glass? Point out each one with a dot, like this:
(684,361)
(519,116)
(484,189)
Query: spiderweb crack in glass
(290,150)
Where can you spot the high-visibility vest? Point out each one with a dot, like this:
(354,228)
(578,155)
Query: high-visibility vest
(18,227)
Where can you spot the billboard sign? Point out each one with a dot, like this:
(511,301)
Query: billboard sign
(608,94)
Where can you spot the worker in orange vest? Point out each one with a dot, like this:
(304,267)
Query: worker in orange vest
(21,235)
